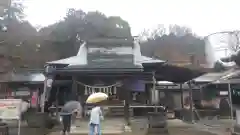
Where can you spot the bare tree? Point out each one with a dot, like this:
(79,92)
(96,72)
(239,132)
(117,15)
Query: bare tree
(233,42)
(234,46)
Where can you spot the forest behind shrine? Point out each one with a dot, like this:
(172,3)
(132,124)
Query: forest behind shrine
(30,47)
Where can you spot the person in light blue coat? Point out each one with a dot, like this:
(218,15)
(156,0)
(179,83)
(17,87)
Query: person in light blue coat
(95,119)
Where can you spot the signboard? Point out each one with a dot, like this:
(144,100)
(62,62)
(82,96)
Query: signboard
(110,55)
(10,108)
(223,93)
(22,93)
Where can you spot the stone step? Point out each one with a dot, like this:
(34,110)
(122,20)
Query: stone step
(102,127)
(109,129)
(104,132)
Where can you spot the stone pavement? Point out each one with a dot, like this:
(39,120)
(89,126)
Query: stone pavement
(218,127)
(178,127)
(112,126)
(139,126)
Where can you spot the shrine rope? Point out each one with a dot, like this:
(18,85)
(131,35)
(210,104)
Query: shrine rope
(110,89)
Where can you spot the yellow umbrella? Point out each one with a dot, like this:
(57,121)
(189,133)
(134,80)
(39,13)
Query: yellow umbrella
(97,97)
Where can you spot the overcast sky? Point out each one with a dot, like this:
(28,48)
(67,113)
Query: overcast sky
(203,16)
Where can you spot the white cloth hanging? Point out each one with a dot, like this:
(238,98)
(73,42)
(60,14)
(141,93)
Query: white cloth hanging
(89,90)
(115,90)
(86,91)
(110,90)
(104,90)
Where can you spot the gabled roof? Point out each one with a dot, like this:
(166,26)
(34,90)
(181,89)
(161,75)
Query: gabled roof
(81,57)
(79,63)
(77,60)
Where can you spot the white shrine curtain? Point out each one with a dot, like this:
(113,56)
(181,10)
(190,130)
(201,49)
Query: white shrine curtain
(109,89)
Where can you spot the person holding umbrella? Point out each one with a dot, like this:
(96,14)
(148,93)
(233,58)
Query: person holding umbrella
(70,108)
(95,114)
(95,119)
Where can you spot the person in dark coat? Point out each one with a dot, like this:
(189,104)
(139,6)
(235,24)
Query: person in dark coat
(70,108)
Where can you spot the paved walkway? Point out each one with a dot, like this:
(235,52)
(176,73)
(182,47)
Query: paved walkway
(115,126)
(109,126)
(218,127)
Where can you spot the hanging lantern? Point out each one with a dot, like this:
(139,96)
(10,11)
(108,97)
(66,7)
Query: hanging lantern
(49,82)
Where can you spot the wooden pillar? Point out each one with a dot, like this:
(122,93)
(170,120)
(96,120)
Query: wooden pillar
(57,102)
(191,101)
(127,105)
(39,98)
(46,91)
(74,95)
(182,98)
(230,100)
(155,93)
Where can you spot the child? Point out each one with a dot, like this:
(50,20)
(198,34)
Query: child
(95,118)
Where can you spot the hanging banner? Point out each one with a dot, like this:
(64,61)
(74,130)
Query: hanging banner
(135,85)
(10,109)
